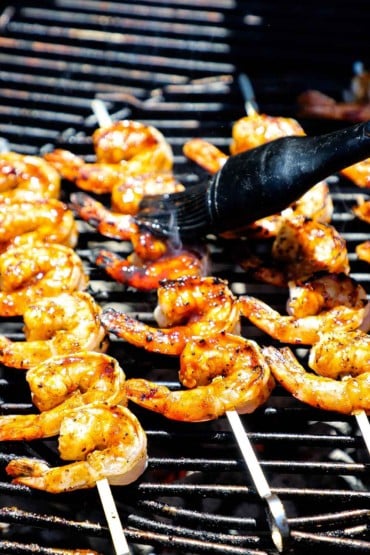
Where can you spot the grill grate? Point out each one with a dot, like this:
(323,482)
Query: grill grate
(173,65)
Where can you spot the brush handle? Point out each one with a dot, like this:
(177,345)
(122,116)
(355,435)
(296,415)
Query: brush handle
(265,180)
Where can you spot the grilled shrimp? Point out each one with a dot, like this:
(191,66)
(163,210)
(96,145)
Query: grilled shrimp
(132,141)
(205,154)
(61,383)
(127,196)
(359,173)
(59,325)
(363,251)
(307,246)
(125,148)
(146,275)
(106,442)
(305,330)
(226,372)
(187,307)
(301,248)
(26,178)
(257,129)
(340,353)
(346,396)
(96,177)
(29,273)
(324,291)
(362,209)
(47,220)
(105,221)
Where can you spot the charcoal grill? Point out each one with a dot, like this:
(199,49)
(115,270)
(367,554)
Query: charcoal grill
(175,65)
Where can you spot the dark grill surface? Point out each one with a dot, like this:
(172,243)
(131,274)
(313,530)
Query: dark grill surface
(175,65)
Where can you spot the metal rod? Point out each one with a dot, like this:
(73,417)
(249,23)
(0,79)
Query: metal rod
(101,112)
(277,519)
(364,425)
(250,104)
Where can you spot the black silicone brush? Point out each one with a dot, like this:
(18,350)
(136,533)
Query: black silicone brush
(255,184)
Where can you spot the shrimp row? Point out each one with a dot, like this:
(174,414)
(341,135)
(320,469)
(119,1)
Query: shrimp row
(122,168)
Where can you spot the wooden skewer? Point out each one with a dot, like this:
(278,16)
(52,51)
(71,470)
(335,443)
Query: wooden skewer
(110,509)
(101,112)
(111,514)
(275,510)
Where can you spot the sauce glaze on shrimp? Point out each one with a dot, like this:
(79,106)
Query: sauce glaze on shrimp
(187,307)
(30,273)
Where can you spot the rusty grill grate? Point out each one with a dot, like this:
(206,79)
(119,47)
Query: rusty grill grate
(174,65)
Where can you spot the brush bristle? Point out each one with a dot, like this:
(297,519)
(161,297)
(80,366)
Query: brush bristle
(185,213)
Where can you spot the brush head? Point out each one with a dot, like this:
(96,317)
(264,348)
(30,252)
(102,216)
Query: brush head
(185,213)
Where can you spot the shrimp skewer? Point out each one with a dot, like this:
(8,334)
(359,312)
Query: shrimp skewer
(187,307)
(61,383)
(225,372)
(27,178)
(347,396)
(30,273)
(59,325)
(106,442)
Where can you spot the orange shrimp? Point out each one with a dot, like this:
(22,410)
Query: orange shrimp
(205,154)
(123,149)
(187,307)
(46,220)
(29,273)
(148,274)
(127,196)
(64,324)
(61,383)
(257,129)
(110,224)
(225,372)
(359,173)
(26,178)
(106,442)
(301,248)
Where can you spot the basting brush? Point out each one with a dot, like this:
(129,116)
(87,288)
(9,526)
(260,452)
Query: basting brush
(254,184)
